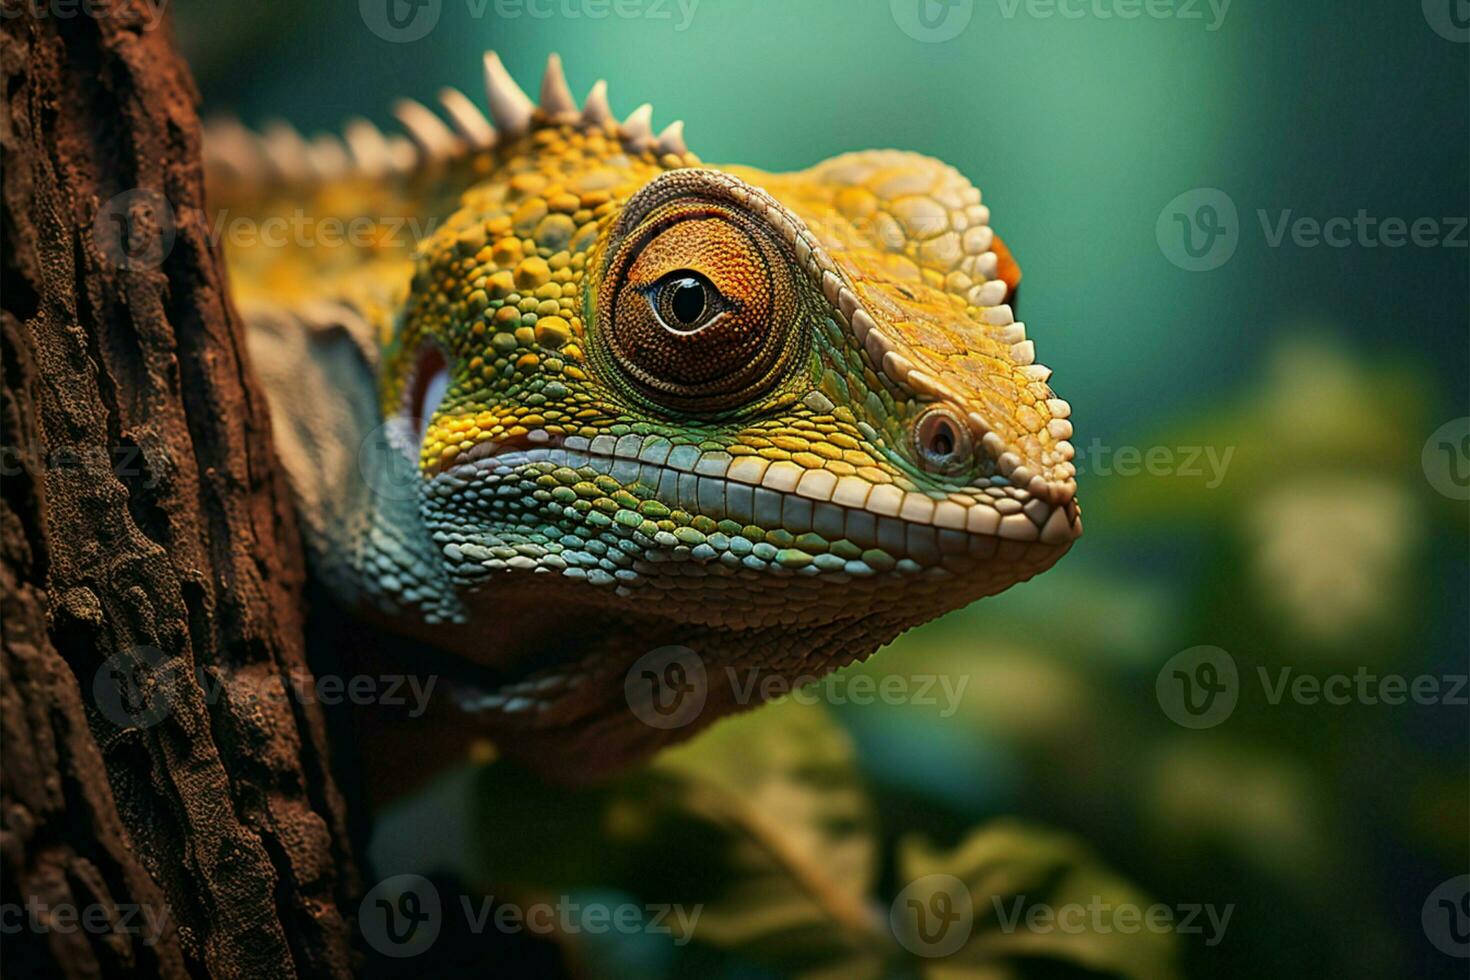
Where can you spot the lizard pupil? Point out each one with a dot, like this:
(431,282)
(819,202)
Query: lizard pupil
(688,301)
(683,301)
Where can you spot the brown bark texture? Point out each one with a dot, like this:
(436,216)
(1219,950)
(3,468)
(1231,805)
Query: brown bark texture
(166,804)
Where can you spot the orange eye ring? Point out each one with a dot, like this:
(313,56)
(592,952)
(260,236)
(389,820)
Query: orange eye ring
(701,307)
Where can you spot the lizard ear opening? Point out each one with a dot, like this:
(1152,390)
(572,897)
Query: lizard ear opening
(943,441)
(430,384)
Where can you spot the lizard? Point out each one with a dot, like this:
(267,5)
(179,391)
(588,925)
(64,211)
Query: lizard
(603,399)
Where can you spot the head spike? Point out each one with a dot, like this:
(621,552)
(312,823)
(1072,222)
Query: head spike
(427,129)
(638,128)
(556,98)
(368,147)
(230,145)
(671,140)
(286,150)
(468,120)
(596,110)
(328,156)
(509,106)
(403,156)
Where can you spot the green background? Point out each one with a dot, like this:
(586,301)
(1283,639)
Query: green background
(1322,369)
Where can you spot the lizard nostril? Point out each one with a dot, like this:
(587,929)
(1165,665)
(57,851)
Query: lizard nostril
(943,440)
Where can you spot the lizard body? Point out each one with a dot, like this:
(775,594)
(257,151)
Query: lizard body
(633,401)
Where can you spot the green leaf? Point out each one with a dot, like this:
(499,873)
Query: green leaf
(786,777)
(1013,901)
(761,822)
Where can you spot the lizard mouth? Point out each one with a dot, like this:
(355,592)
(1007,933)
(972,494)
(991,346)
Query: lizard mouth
(518,447)
(748,490)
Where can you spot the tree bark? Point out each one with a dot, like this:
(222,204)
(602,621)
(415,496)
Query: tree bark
(166,808)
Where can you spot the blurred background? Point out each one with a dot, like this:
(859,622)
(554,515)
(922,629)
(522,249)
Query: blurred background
(1275,462)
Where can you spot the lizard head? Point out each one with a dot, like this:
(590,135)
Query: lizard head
(772,419)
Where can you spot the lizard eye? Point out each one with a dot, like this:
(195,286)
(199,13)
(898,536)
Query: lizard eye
(685,301)
(702,309)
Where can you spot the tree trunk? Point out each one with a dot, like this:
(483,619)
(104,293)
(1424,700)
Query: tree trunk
(166,808)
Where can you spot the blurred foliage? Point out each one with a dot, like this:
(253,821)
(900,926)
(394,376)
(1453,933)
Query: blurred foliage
(765,826)
(1324,491)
